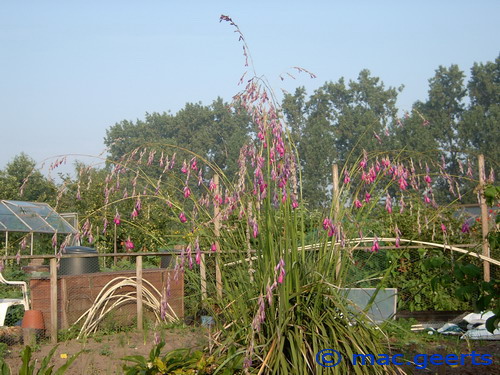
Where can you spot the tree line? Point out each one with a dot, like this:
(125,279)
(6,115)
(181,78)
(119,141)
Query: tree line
(334,124)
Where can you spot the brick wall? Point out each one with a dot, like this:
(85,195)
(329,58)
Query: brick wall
(76,294)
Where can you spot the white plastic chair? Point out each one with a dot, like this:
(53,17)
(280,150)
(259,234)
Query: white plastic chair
(5,303)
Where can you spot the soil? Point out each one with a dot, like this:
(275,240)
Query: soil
(102,354)
(491,348)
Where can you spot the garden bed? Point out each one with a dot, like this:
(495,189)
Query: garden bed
(102,353)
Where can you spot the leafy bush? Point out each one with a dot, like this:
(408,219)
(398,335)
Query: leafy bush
(180,361)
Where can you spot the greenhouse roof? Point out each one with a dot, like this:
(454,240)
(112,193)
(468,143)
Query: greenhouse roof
(17,216)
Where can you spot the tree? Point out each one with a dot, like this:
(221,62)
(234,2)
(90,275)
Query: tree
(336,124)
(481,124)
(215,132)
(21,181)
(444,110)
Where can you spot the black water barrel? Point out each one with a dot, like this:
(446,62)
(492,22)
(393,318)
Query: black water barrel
(79,265)
(167,261)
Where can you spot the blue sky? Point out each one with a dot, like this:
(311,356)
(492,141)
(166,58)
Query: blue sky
(71,69)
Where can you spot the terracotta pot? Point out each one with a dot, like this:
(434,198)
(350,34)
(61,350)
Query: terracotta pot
(33,319)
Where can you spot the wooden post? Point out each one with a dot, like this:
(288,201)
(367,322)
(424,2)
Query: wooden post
(138,272)
(336,209)
(64,304)
(484,218)
(203,278)
(53,300)
(31,244)
(6,242)
(218,274)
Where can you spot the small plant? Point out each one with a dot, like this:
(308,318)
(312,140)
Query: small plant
(67,334)
(180,361)
(106,351)
(4,350)
(28,364)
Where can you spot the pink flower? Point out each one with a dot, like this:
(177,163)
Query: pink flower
(295,204)
(184,168)
(281,277)
(402,183)
(428,179)
(326,223)
(129,245)
(182,217)
(157,338)
(134,214)
(193,164)
(255,228)
(367,197)
(212,186)
(466,227)
(280,268)
(386,163)
(54,240)
(172,162)
(105,225)
(443,228)
(283,197)
(388,203)
(332,230)
(398,236)
(347,178)
(213,247)
(200,177)
(218,199)
(427,199)
(358,204)
(375,246)
(187,192)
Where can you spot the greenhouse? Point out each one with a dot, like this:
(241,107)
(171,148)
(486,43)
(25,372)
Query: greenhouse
(31,217)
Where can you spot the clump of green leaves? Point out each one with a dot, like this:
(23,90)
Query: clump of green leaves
(180,361)
(485,295)
(29,365)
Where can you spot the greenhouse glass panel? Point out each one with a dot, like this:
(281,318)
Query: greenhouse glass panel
(10,222)
(18,216)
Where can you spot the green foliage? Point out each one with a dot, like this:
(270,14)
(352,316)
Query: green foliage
(4,349)
(216,132)
(180,361)
(20,180)
(106,351)
(480,130)
(485,295)
(421,284)
(14,313)
(337,121)
(492,194)
(28,366)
